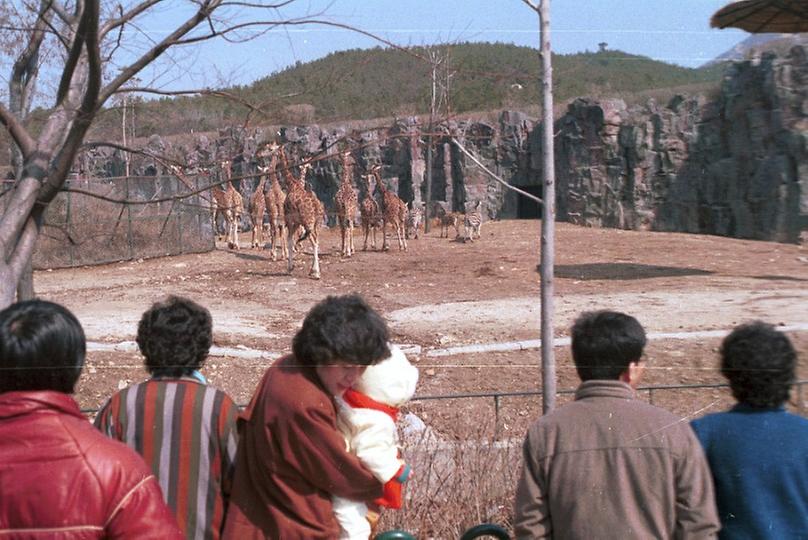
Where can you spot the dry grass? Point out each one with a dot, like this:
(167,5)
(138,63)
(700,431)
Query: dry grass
(456,485)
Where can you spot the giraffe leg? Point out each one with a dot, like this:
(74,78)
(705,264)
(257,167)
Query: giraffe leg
(351,249)
(314,273)
(290,241)
(385,245)
(282,240)
(235,231)
(366,230)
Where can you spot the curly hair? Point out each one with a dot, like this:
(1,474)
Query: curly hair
(341,329)
(42,347)
(175,336)
(604,343)
(759,362)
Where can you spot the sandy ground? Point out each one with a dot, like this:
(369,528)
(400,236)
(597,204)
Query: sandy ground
(443,293)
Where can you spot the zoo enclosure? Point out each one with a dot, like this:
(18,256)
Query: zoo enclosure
(98,221)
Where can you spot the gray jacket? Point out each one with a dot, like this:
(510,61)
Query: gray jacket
(611,466)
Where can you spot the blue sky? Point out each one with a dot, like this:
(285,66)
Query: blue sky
(672,31)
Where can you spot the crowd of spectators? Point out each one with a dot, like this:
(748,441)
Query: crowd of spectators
(172,457)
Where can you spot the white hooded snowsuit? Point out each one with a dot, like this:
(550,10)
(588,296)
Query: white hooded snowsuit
(371,432)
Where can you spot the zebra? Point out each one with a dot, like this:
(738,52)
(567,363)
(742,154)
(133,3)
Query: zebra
(473,222)
(414,219)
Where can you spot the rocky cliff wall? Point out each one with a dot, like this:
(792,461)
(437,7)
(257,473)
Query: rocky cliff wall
(735,164)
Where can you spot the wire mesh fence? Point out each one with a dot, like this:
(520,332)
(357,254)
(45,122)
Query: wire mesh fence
(104,220)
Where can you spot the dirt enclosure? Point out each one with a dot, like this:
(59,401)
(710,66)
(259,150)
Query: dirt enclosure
(442,294)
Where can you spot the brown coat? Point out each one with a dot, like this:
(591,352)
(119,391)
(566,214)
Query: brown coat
(291,459)
(611,466)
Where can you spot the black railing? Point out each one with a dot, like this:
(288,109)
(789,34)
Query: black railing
(498,396)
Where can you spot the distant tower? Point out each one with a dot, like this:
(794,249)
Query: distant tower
(602,46)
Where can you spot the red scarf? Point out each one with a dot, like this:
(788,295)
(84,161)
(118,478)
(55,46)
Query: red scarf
(359,400)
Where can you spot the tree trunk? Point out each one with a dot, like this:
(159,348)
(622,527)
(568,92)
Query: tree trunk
(25,287)
(548,367)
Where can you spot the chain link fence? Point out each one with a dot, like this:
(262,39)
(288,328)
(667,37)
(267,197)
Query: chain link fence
(105,220)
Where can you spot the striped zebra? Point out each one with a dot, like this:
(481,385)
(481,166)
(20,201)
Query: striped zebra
(414,219)
(473,222)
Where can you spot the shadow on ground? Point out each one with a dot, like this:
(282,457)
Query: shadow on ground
(596,271)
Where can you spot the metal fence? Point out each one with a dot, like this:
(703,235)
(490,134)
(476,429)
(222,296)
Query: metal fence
(91,225)
(650,391)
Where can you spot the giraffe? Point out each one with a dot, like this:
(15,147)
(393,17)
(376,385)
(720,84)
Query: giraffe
(257,209)
(275,198)
(394,211)
(345,201)
(229,203)
(303,209)
(370,214)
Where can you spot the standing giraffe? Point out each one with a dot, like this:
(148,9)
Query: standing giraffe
(229,203)
(303,209)
(394,211)
(275,198)
(257,208)
(346,202)
(370,214)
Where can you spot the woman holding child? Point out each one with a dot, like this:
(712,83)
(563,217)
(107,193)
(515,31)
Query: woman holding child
(291,456)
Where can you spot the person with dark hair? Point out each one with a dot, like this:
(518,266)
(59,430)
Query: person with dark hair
(292,458)
(608,464)
(58,475)
(184,428)
(758,452)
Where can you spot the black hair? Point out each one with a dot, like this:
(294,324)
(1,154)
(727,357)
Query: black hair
(604,343)
(42,347)
(174,337)
(341,329)
(759,362)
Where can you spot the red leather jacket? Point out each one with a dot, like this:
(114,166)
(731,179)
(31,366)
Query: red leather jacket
(60,478)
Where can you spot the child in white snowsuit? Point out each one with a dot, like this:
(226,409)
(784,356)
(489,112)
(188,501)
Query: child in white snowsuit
(366,415)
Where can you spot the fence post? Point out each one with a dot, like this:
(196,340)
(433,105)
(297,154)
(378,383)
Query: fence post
(496,416)
(651,396)
(129,238)
(70,248)
(179,219)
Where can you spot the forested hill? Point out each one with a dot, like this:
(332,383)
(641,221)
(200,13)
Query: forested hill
(363,84)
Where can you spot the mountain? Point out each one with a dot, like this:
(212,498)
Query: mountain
(384,82)
(758,43)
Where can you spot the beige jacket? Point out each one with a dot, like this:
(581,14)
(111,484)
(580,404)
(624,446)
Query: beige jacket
(611,466)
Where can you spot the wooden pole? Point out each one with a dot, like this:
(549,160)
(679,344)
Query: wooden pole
(428,198)
(548,367)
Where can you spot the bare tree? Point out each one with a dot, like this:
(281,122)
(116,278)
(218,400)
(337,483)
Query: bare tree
(98,50)
(542,8)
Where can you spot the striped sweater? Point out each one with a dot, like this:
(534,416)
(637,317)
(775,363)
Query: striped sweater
(186,433)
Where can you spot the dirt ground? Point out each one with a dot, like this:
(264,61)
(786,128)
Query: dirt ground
(443,293)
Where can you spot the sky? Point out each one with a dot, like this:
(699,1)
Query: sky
(675,31)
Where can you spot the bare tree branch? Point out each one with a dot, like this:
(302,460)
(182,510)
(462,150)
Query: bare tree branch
(17,131)
(534,7)
(126,17)
(206,8)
